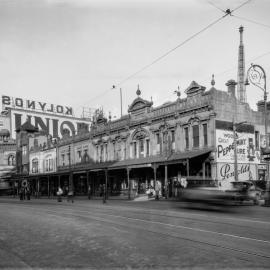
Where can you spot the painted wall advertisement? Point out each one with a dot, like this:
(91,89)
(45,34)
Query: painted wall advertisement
(248,157)
(246,152)
(52,119)
(246,171)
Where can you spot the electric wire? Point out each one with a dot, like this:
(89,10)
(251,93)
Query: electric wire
(226,13)
(252,21)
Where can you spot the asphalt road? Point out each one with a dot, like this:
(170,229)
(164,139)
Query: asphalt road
(125,234)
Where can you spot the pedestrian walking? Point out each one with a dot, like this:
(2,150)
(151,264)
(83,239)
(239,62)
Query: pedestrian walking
(21,193)
(28,193)
(104,191)
(89,192)
(59,194)
(70,196)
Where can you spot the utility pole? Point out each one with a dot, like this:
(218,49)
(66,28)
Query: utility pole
(235,152)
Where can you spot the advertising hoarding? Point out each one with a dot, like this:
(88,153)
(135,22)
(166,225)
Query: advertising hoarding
(246,152)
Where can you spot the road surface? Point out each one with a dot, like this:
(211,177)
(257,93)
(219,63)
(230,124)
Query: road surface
(44,233)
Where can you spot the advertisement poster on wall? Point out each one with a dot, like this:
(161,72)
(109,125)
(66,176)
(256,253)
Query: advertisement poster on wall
(225,172)
(246,152)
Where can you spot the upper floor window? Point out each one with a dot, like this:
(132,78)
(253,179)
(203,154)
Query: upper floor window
(85,156)
(101,153)
(79,155)
(106,152)
(186,137)
(35,165)
(113,150)
(11,160)
(141,146)
(173,136)
(205,139)
(257,138)
(135,149)
(147,147)
(24,150)
(63,159)
(196,137)
(158,138)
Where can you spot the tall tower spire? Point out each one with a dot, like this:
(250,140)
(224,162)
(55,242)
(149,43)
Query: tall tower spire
(241,88)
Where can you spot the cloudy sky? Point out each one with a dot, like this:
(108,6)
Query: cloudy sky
(71,52)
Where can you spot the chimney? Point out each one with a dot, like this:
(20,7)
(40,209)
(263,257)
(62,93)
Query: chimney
(241,88)
(231,87)
(82,128)
(261,106)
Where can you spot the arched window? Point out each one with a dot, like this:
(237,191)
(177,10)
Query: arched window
(11,160)
(35,165)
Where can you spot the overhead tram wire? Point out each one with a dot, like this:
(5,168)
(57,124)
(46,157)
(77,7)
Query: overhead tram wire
(170,51)
(251,21)
(226,13)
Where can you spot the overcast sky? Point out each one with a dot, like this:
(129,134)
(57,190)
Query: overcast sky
(71,52)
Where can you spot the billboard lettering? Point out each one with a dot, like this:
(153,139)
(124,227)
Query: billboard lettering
(19,103)
(245,148)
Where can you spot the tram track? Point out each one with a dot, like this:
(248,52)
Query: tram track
(209,218)
(109,218)
(172,235)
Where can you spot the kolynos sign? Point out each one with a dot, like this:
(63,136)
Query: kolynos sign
(52,119)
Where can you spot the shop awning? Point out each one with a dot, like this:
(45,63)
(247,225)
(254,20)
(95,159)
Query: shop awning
(189,154)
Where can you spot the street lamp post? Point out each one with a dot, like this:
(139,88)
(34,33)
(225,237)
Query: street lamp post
(256,75)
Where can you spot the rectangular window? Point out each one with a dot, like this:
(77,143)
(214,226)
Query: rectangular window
(106,152)
(24,150)
(101,153)
(173,136)
(257,138)
(205,139)
(50,164)
(147,148)
(63,159)
(79,156)
(97,157)
(113,150)
(195,130)
(141,146)
(186,137)
(135,149)
(158,138)
(47,165)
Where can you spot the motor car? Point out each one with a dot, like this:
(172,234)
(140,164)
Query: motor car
(208,195)
(246,191)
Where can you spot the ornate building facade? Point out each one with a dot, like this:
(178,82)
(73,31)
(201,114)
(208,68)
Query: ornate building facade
(189,138)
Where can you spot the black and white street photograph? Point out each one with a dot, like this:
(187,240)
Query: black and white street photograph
(134,134)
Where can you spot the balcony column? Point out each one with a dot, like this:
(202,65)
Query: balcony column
(48,179)
(129,184)
(187,167)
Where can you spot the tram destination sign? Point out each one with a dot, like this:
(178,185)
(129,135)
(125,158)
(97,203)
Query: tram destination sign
(31,105)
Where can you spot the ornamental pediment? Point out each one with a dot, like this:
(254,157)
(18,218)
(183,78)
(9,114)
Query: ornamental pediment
(139,104)
(194,89)
(140,133)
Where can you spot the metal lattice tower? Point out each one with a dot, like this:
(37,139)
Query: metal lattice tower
(241,88)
